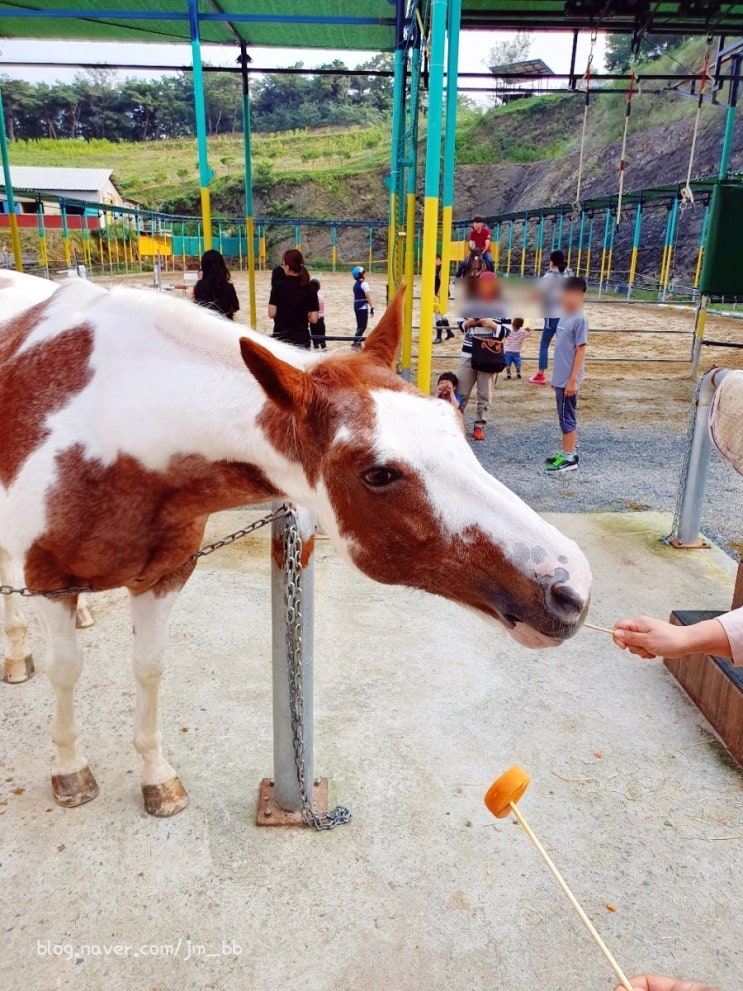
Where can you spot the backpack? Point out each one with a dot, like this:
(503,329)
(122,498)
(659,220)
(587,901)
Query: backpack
(488,354)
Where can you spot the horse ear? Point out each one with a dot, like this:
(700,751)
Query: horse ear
(286,386)
(382,344)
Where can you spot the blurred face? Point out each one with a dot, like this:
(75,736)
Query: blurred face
(477,224)
(487,289)
(572,300)
(446,388)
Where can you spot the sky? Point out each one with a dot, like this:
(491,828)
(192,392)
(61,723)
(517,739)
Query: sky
(554,48)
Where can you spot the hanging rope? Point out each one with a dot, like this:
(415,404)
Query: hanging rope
(633,78)
(687,196)
(587,80)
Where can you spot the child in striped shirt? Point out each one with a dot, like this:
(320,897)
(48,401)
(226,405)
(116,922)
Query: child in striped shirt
(514,343)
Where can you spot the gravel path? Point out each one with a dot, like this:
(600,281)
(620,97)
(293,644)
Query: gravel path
(622,469)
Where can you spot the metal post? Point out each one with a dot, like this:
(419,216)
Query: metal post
(509,250)
(431,191)
(571,233)
(495,245)
(15,237)
(244,59)
(65,234)
(334,247)
(540,246)
(393,182)
(286,784)
(450,141)
(581,231)
(700,322)
(205,173)
(411,163)
(702,244)
(604,249)
(635,248)
(43,252)
(694,473)
(589,248)
(524,242)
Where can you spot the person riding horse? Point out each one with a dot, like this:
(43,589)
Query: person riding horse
(478,240)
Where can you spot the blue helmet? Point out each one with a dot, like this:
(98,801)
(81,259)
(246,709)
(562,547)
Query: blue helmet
(357,271)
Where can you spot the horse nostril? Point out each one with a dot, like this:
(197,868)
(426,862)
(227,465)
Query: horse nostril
(564,602)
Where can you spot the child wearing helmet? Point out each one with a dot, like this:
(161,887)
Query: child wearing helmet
(362,303)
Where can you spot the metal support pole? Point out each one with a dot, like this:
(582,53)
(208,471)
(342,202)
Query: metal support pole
(635,248)
(581,231)
(696,465)
(540,246)
(65,234)
(286,783)
(431,190)
(205,173)
(700,322)
(43,252)
(334,247)
(702,244)
(495,246)
(393,182)
(450,141)
(509,250)
(571,234)
(244,60)
(590,246)
(524,242)
(604,249)
(15,237)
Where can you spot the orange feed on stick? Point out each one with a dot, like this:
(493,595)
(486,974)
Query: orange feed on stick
(501,799)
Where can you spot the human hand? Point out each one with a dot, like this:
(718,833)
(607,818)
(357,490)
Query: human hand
(571,388)
(444,390)
(654,982)
(649,637)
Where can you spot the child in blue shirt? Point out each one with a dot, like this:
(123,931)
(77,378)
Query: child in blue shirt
(568,362)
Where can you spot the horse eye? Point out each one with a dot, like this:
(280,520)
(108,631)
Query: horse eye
(377,478)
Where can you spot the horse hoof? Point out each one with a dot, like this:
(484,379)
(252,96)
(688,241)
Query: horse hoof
(84,618)
(18,670)
(74,789)
(166,799)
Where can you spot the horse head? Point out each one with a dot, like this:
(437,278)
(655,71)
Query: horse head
(391,477)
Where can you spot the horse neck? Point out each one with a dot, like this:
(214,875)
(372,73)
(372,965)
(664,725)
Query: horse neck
(186,397)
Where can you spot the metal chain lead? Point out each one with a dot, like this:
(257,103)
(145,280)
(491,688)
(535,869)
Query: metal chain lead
(207,549)
(293,602)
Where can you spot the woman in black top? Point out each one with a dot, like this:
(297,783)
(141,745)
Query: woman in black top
(293,303)
(214,289)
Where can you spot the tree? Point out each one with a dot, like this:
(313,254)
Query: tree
(515,49)
(652,47)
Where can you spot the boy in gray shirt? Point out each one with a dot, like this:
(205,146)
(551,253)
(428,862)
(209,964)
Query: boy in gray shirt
(567,371)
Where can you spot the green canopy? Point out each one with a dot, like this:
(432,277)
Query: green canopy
(366,25)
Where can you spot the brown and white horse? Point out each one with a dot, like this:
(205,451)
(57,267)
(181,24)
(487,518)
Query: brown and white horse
(126,417)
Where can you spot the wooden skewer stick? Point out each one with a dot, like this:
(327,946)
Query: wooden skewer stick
(569,894)
(601,629)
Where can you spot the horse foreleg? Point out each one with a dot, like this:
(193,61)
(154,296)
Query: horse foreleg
(163,793)
(19,664)
(72,780)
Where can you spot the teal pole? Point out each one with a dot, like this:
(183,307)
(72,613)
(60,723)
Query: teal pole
(205,173)
(438,10)
(248,162)
(524,241)
(15,236)
(393,182)
(450,141)
(560,227)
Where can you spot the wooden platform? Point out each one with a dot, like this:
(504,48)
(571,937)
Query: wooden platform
(714,684)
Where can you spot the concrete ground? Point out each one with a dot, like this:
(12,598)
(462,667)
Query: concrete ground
(419,706)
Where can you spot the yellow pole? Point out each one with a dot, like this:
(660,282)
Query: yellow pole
(447,222)
(632,265)
(406,353)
